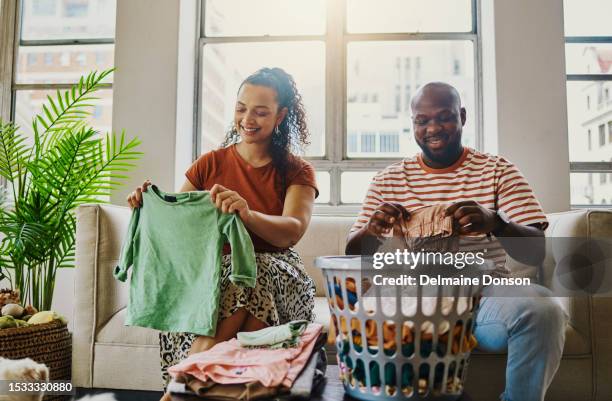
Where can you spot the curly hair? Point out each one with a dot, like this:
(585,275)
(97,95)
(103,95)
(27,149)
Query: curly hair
(293,135)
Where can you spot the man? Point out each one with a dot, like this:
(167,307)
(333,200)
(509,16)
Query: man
(488,195)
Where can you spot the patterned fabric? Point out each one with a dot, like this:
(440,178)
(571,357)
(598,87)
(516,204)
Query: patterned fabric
(283,292)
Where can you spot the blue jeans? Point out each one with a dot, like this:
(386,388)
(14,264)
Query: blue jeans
(530,325)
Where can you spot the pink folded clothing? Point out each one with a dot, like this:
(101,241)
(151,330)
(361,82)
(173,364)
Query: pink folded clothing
(229,363)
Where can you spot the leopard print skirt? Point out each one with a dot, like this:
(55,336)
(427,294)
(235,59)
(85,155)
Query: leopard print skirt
(283,292)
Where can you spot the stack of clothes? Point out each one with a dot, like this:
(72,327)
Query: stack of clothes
(285,361)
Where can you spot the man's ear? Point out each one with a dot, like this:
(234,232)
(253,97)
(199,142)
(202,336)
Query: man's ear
(462,113)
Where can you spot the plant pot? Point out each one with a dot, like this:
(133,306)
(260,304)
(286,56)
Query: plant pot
(48,343)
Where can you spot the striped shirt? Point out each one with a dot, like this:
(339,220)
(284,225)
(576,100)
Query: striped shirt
(492,181)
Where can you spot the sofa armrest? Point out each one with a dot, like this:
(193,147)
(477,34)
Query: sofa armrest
(589,315)
(98,296)
(602,347)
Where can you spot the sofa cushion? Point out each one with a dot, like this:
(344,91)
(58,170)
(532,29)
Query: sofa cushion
(115,332)
(325,236)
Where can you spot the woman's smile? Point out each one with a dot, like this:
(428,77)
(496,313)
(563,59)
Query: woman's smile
(249,130)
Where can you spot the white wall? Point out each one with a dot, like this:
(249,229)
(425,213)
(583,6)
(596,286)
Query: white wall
(145,87)
(531,99)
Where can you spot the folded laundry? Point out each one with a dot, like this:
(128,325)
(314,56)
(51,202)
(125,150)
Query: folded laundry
(308,379)
(230,363)
(242,392)
(283,336)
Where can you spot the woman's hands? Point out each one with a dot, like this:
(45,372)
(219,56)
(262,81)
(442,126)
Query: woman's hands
(134,199)
(226,200)
(229,201)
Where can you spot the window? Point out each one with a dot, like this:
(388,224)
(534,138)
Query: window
(456,67)
(398,99)
(588,52)
(70,20)
(53,53)
(43,8)
(368,142)
(407,98)
(589,139)
(97,111)
(352,142)
(356,62)
(76,8)
(81,59)
(389,142)
(32,59)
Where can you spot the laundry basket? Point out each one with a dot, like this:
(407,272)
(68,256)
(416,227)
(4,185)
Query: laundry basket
(396,347)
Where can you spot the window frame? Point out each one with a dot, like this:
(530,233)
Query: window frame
(584,166)
(10,50)
(336,39)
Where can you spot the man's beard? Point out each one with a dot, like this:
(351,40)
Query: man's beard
(448,156)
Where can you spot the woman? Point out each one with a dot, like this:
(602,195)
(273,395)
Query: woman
(257,175)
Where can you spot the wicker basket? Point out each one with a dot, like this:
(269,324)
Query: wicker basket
(48,343)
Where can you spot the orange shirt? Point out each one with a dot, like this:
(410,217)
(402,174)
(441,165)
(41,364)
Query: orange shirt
(255,184)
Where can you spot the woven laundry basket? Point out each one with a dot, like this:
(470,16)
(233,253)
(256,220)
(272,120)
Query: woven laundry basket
(424,360)
(48,343)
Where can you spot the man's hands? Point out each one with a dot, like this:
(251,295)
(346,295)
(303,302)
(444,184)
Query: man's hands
(134,199)
(473,218)
(385,217)
(229,201)
(470,216)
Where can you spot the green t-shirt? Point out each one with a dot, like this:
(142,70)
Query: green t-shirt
(174,243)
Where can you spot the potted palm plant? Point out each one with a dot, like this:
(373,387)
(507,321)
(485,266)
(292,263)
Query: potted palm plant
(61,165)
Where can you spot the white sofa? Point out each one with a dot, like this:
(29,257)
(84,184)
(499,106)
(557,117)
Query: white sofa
(107,354)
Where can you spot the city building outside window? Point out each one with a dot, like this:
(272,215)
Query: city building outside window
(589,139)
(389,142)
(76,8)
(43,8)
(356,63)
(588,50)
